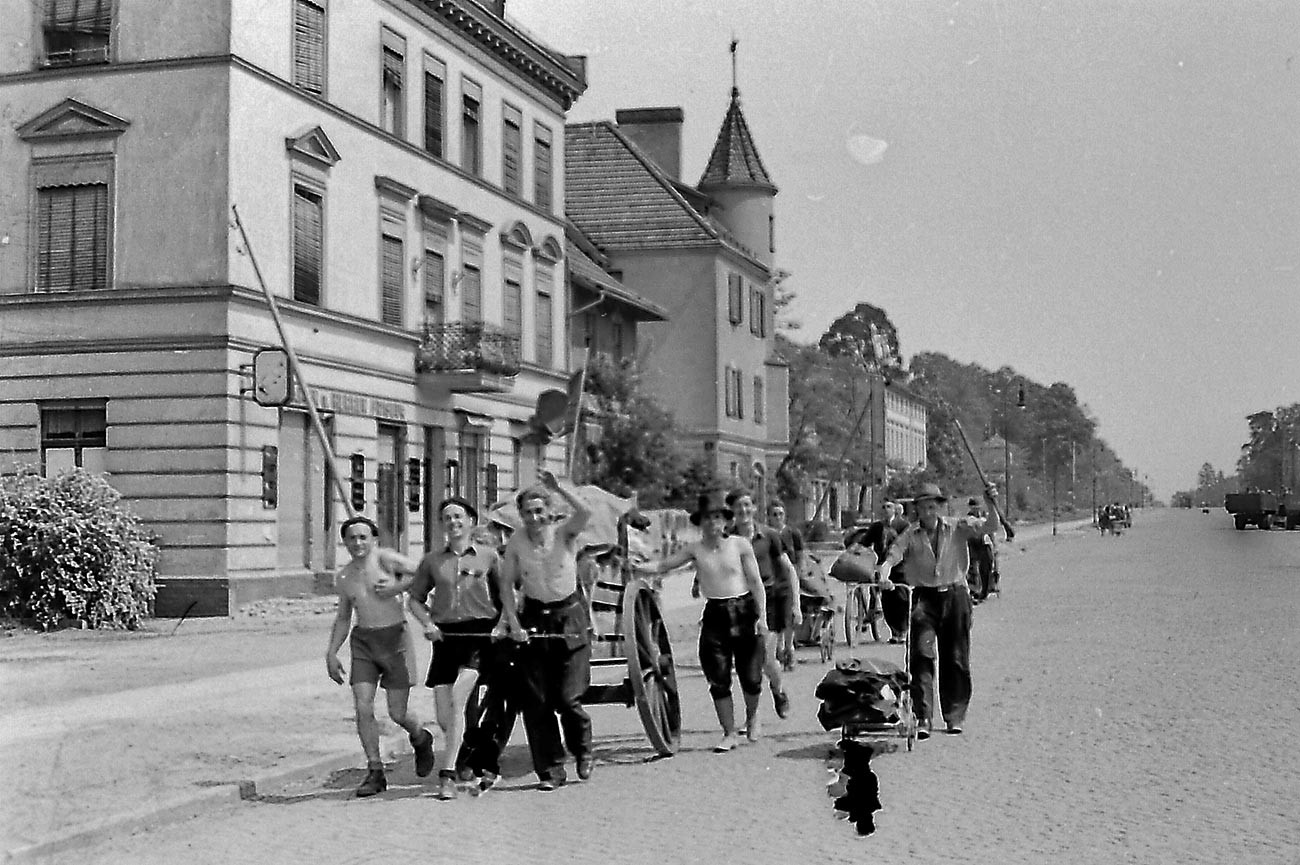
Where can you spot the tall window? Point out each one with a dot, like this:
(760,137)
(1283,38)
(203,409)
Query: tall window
(757,311)
(543,186)
(471,466)
(758,399)
(435,86)
(434,271)
(77,31)
(512,145)
(73,236)
(392,101)
(735,298)
(545,313)
(73,434)
(309,46)
(308,244)
(512,293)
(471,145)
(734,395)
(471,288)
(392,284)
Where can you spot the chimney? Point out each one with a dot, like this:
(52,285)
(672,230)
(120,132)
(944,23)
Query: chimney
(658,132)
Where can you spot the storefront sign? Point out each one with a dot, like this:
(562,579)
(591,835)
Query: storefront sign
(358,404)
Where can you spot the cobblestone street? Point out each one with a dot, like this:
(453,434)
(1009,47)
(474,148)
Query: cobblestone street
(1133,704)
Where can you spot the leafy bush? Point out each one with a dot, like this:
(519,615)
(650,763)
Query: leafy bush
(69,549)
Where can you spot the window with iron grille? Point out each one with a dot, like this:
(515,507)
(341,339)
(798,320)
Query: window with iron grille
(435,85)
(308,244)
(392,77)
(77,32)
(512,145)
(543,184)
(73,236)
(471,157)
(73,435)
(735,298)
(392,283)
(309,46)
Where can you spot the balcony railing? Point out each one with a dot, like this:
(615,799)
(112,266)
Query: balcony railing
(77,56)
(461,347)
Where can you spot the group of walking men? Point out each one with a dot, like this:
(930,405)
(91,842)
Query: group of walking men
(511,612)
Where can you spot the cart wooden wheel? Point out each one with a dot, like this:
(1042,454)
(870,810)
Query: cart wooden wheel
(650,668)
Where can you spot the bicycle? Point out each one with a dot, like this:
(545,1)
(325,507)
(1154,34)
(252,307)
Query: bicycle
(863,612)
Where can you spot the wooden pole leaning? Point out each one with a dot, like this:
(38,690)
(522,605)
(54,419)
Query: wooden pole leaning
(295,369)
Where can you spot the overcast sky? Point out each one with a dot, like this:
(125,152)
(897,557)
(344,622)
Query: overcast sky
(1101,193)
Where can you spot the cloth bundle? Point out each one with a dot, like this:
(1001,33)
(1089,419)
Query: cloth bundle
(861,690)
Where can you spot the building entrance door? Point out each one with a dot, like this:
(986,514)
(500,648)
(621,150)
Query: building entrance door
(304,516)
(390,511)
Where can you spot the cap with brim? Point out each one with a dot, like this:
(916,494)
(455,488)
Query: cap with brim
(458,500)
(929,491)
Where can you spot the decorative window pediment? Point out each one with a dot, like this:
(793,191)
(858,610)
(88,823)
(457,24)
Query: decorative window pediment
(72,119)
(314,146)
(549,249)
(394,188)
(518,235)
(435,208)
(470,222)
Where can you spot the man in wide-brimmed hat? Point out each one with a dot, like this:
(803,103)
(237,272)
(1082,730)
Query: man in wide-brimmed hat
(935,556)
(734,626)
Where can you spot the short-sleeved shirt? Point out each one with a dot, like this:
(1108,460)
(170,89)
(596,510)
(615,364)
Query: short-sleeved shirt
(463,587)
(768,549)
(793,542)
(546,573)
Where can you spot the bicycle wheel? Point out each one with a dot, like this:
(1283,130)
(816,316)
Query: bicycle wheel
(875,613)
(850,614)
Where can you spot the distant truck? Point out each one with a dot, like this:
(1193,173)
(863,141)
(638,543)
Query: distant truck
(1288,510)
(1259,509)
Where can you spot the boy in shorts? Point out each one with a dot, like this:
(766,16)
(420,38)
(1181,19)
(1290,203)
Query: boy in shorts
(369,587)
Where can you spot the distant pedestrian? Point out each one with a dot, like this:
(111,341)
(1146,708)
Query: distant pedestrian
(781,585)
(556,668)
(369,588)
(983,557)
(935,556)
(456,599)
(792,540)
(734,625)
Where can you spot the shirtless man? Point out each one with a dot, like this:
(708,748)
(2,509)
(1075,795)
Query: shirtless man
(369,586)
(734,626)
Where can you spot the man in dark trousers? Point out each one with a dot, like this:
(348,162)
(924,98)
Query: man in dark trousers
(935,555)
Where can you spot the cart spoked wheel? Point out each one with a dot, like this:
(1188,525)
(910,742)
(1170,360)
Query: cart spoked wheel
(875,614)
(650,667)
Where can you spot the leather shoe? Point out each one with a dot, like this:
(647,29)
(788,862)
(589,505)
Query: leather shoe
(923,730)
(782,703)
(585,765)
(375,782)
(424,759)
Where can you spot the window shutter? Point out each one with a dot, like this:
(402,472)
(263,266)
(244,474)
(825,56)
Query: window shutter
(511,148)
(758,399)
(309,47)
(392,64)
(391,300)
(72,243)
(307,245)
(433,88)
(735,298)
(740,394)
(545,324)
(512,313)
(435,276)
(472,296)
(81,16)
(542,187)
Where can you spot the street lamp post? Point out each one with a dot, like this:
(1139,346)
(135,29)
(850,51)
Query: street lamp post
(1005,392)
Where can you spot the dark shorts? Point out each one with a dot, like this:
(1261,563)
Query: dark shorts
(727,640)
(379,656)
(780,610)
(454,653)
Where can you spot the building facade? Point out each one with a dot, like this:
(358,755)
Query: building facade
(705,254)
(398,168)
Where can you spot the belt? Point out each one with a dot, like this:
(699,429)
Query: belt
(947,588)
(552,605)
(730,602)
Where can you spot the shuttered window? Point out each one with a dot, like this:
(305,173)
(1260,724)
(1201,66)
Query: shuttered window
(392,77)
(758,399)
(735,298)
(309,46)
(392,282)
(472,296)
(544,311)
(543,195)
(512,145)
(470,143)
(757,312)
(72,243)
(77,31)
(308,245)
(435,83)
(512,294)
(435,275)
(739,389)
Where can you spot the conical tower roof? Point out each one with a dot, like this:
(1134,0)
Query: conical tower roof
(734,160)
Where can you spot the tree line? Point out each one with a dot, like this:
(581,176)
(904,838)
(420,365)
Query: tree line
(1269,460)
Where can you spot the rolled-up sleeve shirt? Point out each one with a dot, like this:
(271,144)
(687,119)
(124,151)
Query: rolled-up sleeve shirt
(939,559)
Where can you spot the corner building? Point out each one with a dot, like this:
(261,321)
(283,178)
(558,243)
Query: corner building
(398,165)
(704,254)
